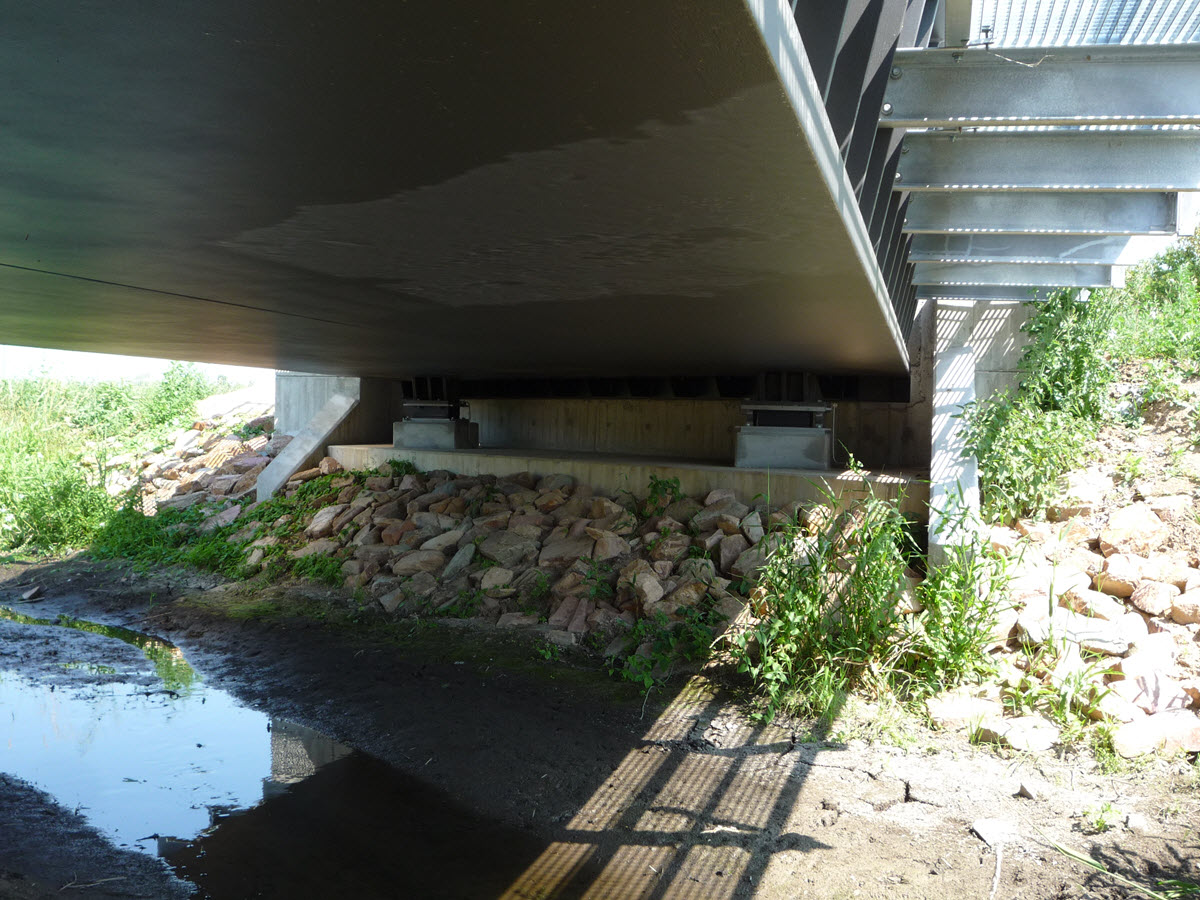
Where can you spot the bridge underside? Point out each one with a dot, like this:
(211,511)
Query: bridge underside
(496,191)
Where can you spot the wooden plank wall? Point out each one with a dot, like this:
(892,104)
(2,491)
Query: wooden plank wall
(680,429)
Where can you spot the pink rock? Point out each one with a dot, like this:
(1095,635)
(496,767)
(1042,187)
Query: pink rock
(1121,575)
(1093,603)
(579,621)
(1154,597)
(322,523)
(1133,529)
(1185,609)
(729,550)
(565,552)
(516,620)
(1169,731)
(1152,691)
(562,616)
(419,561)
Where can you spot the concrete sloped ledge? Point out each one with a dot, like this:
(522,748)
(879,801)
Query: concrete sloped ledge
(310,439)
(612,473)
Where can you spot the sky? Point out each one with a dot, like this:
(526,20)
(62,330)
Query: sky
(30,362)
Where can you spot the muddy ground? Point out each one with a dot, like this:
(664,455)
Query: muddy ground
(537,778)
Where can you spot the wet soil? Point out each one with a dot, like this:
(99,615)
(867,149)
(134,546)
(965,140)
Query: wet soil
(482,770)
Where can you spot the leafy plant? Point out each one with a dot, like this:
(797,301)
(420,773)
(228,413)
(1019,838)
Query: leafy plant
(1131,467)
(829,622)
(401,467)
(661,642)
(1025,442)
(465,605)
(1099,819)
(1160,382)
(320,568)
(596,580)
(660,494)
(946,641)
(1022,451)
(541,587)
(175,396)
(1064,367)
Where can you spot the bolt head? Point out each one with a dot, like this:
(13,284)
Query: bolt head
(896,73)
(887,109)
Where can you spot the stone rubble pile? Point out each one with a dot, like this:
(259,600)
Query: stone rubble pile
(207,464)
(523,550)
(520,551)
(1105,602)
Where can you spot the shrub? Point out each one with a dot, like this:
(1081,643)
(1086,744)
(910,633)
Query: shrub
(1064,367)
(47,502)
(1022,451)
(175,397)
(1157,314)
(830,621)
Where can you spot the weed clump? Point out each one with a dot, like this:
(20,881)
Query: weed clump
(829,622)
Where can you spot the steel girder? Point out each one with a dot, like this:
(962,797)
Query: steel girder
(1030,275)
(1051,161)
(1022,249)
(1118,85)
(1047,212)
(991,293)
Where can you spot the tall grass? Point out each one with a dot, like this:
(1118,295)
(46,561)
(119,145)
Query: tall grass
(830,622)
(46,500)
(49,501)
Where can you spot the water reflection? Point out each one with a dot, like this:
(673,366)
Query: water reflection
(151,765)
(237,803)
(138,763)
(170,666)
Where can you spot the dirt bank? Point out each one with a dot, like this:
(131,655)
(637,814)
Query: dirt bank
(580,787)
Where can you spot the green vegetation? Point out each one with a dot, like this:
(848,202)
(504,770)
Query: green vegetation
(660,494)
(1026,440)
(830,621)
(170,538)
(175,537)
(659,644)
(1157,314)
(50,500)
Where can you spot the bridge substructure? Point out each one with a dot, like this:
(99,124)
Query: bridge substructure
(687,213)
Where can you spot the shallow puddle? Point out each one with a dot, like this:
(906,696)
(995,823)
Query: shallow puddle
(238,803)
(147,762)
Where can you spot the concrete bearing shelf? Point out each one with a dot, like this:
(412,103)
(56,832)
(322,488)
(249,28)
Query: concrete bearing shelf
(613,472)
